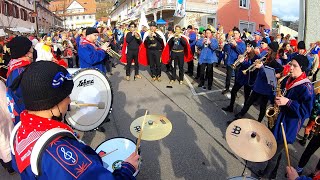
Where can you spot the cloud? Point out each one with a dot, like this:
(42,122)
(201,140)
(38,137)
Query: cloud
(286,9)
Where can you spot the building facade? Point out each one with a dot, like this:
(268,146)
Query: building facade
(17,15)
(76,13)
(250,14)
(21,16)
(309,25)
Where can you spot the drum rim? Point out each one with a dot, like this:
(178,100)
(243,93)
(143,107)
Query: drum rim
(115,138)
(111,103)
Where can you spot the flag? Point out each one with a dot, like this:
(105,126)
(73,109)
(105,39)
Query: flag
(180,10)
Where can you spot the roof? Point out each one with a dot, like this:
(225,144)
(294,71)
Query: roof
(58,5)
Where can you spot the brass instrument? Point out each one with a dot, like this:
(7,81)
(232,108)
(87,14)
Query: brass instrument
(4,66)
(238,61)
(253,66)
(109,51)
(273,111)
(309,50)
(316,127)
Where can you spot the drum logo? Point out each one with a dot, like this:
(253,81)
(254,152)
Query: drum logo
(85,83)
(117,164)
(236,131)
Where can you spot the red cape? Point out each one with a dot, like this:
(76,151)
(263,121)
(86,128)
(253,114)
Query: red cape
(187,53)
(123,52)
(142,57)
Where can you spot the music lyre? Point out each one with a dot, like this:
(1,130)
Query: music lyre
(140,134)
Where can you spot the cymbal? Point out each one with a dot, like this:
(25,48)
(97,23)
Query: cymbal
(156,127)
(251,140)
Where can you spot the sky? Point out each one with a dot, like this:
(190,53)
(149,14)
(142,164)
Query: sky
(287,10)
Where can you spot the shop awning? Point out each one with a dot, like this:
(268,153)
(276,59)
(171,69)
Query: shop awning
(161,22)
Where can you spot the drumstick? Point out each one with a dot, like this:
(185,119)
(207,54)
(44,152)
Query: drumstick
(100,105)
(140,134)
(109,153)
(285,145)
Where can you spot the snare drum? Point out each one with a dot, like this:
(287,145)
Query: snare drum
(90,87)
(242,178)
(114,151)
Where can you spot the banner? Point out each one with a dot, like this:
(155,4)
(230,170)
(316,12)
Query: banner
(180,8)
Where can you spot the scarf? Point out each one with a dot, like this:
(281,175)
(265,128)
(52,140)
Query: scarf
(292,81)
(85,41)
(31,129)
(17,63)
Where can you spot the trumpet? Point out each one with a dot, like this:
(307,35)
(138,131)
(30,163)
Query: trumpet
(253,66)
(238,61)
(109,51)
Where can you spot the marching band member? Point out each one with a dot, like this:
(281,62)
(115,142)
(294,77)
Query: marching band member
(295,108)
(44,50)
(263,50)
(208,46)
(261,89)
(243,79)
(221,40)
(233,49)
(64,157)
(21,57)
(285,53)
(178,50)
(192,35)
(90,56)
(130,51)
(151,49)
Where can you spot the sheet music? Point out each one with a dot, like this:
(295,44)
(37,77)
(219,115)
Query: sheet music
(271,76)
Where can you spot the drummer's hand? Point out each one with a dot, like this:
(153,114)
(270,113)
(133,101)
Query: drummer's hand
(291,173)
(133,159)
(281,101)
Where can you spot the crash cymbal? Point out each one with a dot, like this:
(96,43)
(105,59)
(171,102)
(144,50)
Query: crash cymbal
(156,127)
(251,140)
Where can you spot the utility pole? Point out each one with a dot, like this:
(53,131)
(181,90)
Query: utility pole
(36,16)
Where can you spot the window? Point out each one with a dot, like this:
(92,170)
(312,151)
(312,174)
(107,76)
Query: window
(250,26)
(90,17)
(77,17)
(6,8)
(244,4)
(16,11)
(262,7)
(83,17)
(211,21)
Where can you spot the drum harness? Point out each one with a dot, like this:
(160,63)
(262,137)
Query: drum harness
(41,145)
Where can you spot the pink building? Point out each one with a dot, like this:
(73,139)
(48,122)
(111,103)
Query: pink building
(250,14)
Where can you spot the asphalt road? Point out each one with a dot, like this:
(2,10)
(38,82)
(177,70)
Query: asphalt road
(196,148)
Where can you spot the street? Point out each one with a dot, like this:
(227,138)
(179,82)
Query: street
(196,148)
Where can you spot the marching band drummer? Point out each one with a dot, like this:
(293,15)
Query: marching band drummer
(295,108)
(243,79)
(261,88)
(21,57)
(64,157)
(90,56)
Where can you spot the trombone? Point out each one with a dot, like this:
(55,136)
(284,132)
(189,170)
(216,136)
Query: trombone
(253,66)
(109,51)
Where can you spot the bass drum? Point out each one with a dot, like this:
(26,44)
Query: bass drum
(90,87)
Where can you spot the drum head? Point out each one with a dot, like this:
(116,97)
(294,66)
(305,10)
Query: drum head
(90,87)
(114,151)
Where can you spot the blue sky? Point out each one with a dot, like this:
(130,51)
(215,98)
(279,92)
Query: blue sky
(286,9)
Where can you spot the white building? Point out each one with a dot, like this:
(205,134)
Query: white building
(76,13)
